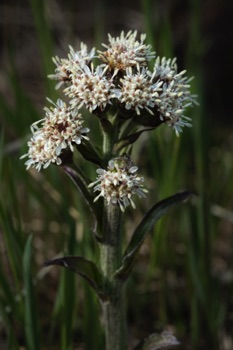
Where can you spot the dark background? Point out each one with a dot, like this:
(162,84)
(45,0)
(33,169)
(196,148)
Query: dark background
(200,35)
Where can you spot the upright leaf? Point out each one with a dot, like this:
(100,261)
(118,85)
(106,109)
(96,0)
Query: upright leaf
(141,232)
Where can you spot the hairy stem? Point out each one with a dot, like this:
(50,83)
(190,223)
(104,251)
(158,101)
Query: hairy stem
(114,308)
(110,259)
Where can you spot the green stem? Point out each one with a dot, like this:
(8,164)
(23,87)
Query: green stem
(110,260)
(107,146)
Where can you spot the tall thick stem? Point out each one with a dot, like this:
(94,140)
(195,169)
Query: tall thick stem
(114,308)
(110,259)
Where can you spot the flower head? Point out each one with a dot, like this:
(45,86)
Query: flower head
(41,154)
(60,129)
(175,96)
(76,60)
(125,51)
(90,88)
(137,90)
(119,182)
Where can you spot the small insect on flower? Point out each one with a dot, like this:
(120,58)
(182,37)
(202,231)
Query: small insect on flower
(119,183)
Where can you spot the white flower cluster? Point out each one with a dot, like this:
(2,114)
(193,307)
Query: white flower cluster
(60,128)
(121,80)
(118,183)
(123,77)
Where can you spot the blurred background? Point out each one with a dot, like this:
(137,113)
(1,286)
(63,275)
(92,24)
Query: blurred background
(183,279)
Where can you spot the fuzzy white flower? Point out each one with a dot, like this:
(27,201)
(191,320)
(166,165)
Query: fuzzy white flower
(137,91)
(119,183)
(175,96)
(41,154)
(76,60)
(126,51)
(90,88)
(60,129)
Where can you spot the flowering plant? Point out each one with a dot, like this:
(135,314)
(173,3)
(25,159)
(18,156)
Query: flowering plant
(128,99)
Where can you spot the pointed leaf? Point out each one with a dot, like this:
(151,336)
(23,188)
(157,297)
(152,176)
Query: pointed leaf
(82,186)
(83,267)
(106,125)
(89,153)
(141,232)
(163,341)
(128,140)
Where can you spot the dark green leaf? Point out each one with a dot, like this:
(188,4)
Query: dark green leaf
(152,121)
(141,232)
(81,184)
(83,267)
(106,125)
(89,153)
(163,341)
(128,140)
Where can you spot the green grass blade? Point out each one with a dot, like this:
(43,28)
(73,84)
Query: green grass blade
(12,244)
(12,343)
(9,295)
(31,322)
(93,334)
(42,26)
(68,302)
